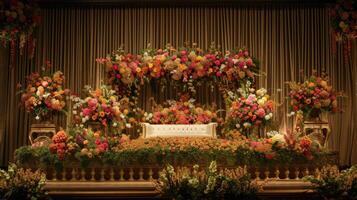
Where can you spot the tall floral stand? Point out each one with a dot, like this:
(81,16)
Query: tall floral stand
(318,128)
(42,133)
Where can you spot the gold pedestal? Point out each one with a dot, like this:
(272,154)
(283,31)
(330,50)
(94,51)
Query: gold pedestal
(42,133)
(318,130)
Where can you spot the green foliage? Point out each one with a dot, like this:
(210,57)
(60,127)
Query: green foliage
(18,183)
(184,183)
(333,184)
(43,158)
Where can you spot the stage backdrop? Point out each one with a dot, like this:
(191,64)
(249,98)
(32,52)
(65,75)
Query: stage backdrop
(289,41)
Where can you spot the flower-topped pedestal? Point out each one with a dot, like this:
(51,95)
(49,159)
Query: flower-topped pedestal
(311,101)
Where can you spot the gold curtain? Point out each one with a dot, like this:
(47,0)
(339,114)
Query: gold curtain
(289,41)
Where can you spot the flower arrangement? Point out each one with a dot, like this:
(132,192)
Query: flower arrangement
(103,106)
(176,144)
(19,183)
(44,93)
(18,19)
(313,96)
(82,143)
(250,110)
(290,141)
(86,147)
(331,183)
(343,17)
(183,111)
(184,183)
(187,65)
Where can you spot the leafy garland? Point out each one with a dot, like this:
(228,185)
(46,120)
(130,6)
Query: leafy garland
(185,68)
(18,20)
(343,17)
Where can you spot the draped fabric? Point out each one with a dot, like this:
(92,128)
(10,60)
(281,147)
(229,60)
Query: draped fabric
(289,41)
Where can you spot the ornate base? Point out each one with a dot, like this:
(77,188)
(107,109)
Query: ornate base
(146,189)
(41,133)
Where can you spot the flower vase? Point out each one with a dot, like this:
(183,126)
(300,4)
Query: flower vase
(314,115)
(43,119)
(95,126)
(42,130)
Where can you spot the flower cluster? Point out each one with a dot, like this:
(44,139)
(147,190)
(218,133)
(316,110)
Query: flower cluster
(91,143)
(184,183)
(18,19)
(291,141)
(81,142)
(343,21)
(186,65)
(59,144)
(19,183)
(183,111)
(331,183)
(44,93)
(313,96)
(103,105)
(176,144)
(252,109)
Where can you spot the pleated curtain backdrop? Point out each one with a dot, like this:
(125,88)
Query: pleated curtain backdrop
(289,41)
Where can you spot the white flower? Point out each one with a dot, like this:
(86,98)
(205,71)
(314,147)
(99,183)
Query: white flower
(238,125)
(122,116)
(37,117)
(247,125)
(74,112)
(272,133)
(278,138)
(267,117)
(115,124)
(128,125)
(291,114)
(46,94)
(261,92)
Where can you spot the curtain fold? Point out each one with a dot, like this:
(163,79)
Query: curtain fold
(289,41)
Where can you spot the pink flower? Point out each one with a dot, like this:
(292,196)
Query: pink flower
(241,64)
(44,83)
(249,62)
(217,62)
(246,53)
(115,67)
(118,76)
(92,102)
(86,111)
(260,112)
(218,74)
(183,52)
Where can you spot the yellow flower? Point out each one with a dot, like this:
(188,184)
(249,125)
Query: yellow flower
(150,65)
(199,58)
(85,142)
(138,69)
(126,111)
(182,67)
(122,70)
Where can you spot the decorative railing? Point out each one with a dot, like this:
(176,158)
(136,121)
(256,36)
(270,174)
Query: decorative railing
(151,173)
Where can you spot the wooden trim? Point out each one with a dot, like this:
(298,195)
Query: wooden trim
(180,3)
(147,188)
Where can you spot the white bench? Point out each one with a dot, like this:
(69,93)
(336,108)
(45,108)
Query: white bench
(179,130)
